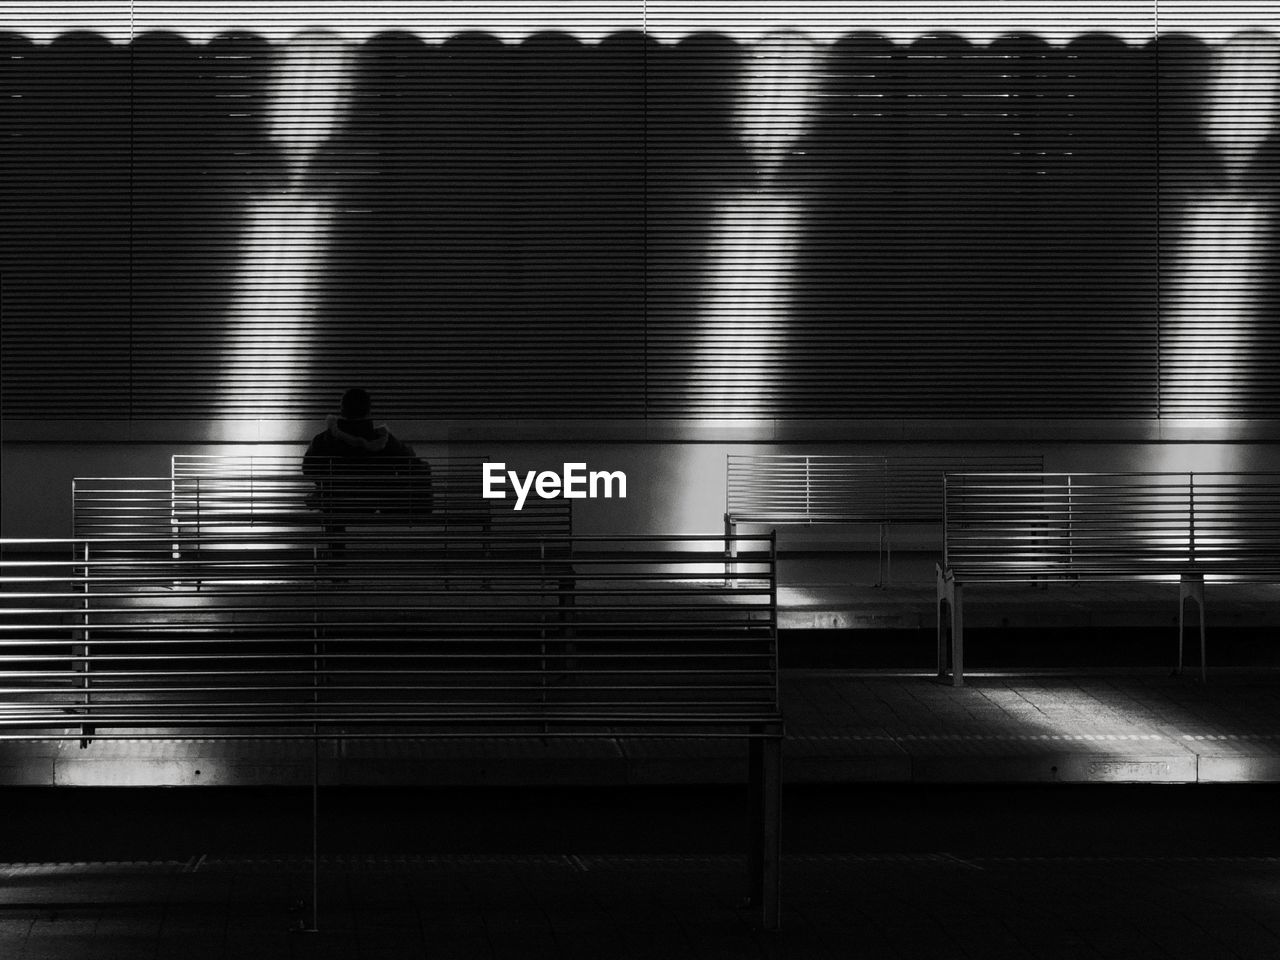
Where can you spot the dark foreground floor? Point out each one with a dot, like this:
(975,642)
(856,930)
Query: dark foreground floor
(1062,870)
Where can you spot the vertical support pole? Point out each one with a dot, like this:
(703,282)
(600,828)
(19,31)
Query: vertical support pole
(81,652)
(1071,523)
(771,835)
(1191,587)
(315,833)
(775,654)
(764,765)
(199,559)
(808,493)
(317,631)
(943,610)
(730,550)
(766,770)
(316,665)
(175,530)
(755,815)
(885,514)
(1191,516)
(566,591)
(946,563)
(544,662)
(950,606)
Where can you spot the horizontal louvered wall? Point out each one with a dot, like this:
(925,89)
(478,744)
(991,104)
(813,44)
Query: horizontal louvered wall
(632,228)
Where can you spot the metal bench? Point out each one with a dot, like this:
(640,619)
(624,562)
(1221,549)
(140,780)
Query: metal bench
(449,499)
(1184,528)
(211,496)
(811,489)
(402,636)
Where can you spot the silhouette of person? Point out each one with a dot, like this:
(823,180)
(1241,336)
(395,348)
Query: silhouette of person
(363,471)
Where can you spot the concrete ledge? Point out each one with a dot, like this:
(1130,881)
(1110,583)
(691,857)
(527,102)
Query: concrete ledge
(843,727)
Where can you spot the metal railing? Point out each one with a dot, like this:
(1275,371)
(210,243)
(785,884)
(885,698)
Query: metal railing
(267,496)
(393,634)
(881,490)
(1183,527)
(1128,526)
(388,631)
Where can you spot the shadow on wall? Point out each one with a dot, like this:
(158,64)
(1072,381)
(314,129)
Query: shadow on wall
(993,205)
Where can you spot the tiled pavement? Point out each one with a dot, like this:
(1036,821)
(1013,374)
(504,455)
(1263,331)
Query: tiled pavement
(966,896)
(1033,727)
(962,891)
(842,726)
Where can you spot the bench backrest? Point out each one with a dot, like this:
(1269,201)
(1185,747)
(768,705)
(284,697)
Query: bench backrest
(1158,525)
(224,495)
(392,633)
(803,488)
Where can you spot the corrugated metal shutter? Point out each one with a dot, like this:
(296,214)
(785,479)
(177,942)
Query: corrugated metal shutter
(1220,187)
(64,184)
(973,234)
(622,229)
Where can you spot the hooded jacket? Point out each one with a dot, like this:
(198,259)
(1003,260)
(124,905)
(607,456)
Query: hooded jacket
(353,440)
(362,468)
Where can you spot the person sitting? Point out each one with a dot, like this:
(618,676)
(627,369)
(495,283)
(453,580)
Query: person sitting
(362,470)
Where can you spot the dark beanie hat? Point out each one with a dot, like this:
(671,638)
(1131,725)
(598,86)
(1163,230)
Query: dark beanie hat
(356,404)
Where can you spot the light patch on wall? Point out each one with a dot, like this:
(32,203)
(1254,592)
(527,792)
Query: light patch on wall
(743,318)
(283,248)
(1195,457)
(1223,250)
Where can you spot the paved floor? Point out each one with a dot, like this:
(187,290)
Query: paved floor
(842,726)
(1079,812)
(888,850)
(1034,726)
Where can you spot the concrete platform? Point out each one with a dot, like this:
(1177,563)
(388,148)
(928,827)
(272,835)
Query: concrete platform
(843,726)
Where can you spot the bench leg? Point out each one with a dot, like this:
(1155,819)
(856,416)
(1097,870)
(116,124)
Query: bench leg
(884,556)
(950,630)
(764,852)
(730,551)
(1191,588)
(880,559)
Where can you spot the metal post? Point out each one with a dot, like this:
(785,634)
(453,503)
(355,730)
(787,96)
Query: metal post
(755,815)
(945,562)
(1071,522)
(808,501)
(316,665)
(82,652)
(771,775)
(1191,587)
(730,550)
(880,558)
(199,559)
(1191,516)
(770,894)
(764,768)
(950,598)
(943,610)
(315,834)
